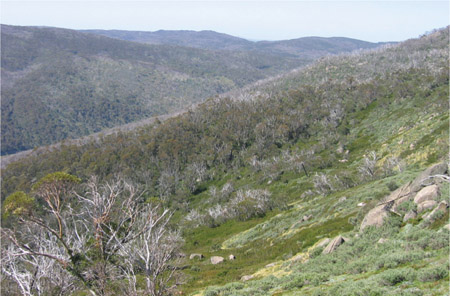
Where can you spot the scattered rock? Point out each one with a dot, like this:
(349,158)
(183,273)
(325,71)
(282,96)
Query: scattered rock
(323,242)
(199,256)
(410,215)
(231,257)
(216,259)
(382,241)
(426,205)
(442,206)
(343,160)
(333,245)
(342,199)
(446,226)
(361,204)
(306,218)
(246,278)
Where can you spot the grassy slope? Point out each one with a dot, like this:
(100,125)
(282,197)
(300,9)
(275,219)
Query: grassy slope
(415,129)
(278,238)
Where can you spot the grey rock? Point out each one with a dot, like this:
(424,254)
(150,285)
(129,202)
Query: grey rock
(306,218)
(246,278)
(427,193)
(375,216)
(410,215)
(442,206)
(333,245)
(216,259)
(193,256)
(437,169)
(426,205)
(323,242)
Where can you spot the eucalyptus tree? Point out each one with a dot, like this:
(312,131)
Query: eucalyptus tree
(87,237)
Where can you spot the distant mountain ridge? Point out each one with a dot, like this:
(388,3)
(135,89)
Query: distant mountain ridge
(198,39)
(299,47)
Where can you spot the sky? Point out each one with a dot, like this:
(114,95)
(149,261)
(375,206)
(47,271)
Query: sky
(254,20)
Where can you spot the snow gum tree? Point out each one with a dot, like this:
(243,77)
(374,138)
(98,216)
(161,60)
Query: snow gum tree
(93,237)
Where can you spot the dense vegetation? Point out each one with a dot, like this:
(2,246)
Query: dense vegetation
(74,84)
(269,172)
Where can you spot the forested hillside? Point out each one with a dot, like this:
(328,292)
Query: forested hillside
(74,84)
(330,180)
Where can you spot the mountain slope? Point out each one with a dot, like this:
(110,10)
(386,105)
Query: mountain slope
(270,172)
(74,84)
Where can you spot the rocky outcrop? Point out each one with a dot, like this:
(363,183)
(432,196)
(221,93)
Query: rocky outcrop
(424,197)
(410,215)
(424,178)
(216,259)
(196,256)
(231,257)
(333,245)
(375,216)
(428,193)
(426,205)
(442,206)
(323,242)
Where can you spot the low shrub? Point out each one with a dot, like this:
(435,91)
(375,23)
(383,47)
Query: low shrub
(393,277)
(433,274)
